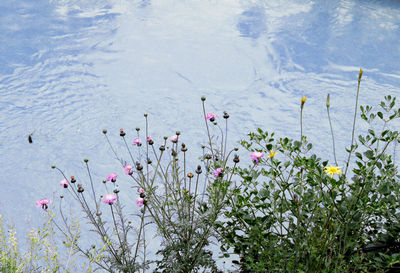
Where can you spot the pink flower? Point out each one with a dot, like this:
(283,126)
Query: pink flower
(139,201)
(43,203)
(128,169)
(137,142)
(211,116)
(148,139)
(112,177)
(109,198)
(255,156)
(64,183)
(174,138)
(141,190)
(218,172)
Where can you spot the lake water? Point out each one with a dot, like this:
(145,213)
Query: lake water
(69,68)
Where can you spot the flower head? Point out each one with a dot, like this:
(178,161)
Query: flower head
(174,138)
(128,169)
(255,156)
(43,203)
(148,139)
(272,153)
(218,172)
(211,116)
(109,198)
(140,201)
(112,177)
(331,170)
(64,183)
(141,190)
(137,141)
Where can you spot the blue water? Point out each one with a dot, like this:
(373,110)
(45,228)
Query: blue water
(69,68)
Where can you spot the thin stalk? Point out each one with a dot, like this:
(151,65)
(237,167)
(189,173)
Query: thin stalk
(91,184)
(354,122)
(208,130)
(127,147)
(140,233)
(330,125)
(116,231)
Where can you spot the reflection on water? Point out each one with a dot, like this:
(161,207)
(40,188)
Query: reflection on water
(70,68)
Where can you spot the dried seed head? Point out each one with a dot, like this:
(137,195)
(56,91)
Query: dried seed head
(236,159)
(149,161)
(139,167)
(208,156)
(104,131)
(190,175)
(142,195)
(184,149)
(80,189)
(98,213)
(162,148)
(198,171)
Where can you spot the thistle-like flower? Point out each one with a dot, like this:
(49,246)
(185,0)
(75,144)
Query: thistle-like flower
(109,198)
(43,203)
(255,156)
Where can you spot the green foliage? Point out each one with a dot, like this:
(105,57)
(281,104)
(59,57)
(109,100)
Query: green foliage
(289,215)
(42,254)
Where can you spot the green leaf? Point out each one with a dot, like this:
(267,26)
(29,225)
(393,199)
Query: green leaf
(369,154)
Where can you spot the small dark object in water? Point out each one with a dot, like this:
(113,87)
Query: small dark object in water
(30,138)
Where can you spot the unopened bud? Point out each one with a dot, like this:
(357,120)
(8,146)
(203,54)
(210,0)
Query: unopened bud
(198,171)
(86,160)
(360,74)
(121,132)
(236,159)
(203,98)
(104,131)
(137,129)
(328,102)
(226,115)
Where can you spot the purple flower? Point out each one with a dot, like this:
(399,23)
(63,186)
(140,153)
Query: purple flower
(43,203)
(255,156)
(211,116)
(148,139)
(137,141)
(112,177)
(141,190)
(174,138)
(64,183)
(139,201)
(128,169)
(218,172)
(109,198)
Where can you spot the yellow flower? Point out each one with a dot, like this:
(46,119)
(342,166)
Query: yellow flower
(272,153)
(303,100)
(331,170)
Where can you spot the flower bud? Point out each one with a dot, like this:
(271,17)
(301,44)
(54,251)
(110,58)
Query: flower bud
(177,133)
(208,156)
(145,115)
(151,142)
(360,75)
(121,132)
(149,161)
(236,159)
(139,167)
(303,100)
(203,98)
(142,195)
(104,131)
(137,129)
(98,213)
(73,180)
(226,115)
(165,137)
(104,181)
(61,196)
(85,160)
(80,189)
(173,153)
(116,191)
(162,148)
(328,103)
(190,175)
(53,167)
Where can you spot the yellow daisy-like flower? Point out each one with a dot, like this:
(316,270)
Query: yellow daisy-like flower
(272,153)
(331,170)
